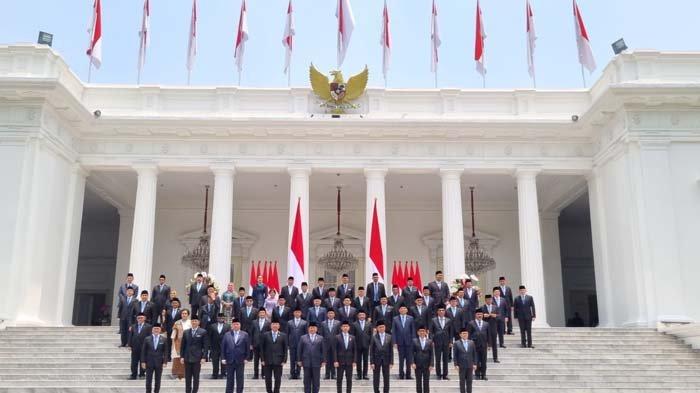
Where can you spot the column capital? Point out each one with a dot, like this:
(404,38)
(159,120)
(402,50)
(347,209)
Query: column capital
(527,172)
(226,169)
(145,168)
(451,173)
(80,170)
(299,170)
(375,173)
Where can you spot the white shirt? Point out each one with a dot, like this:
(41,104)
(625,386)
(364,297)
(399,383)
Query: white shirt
(422,343)
(381,338)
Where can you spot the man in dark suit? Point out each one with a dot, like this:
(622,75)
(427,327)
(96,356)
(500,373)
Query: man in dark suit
(420,313)
(362,330)
(311,354)
(274,346)
(128,284)
(137,334)
(197,291)
(317,313)
(216,333)
(525,312)
(503,307)
(441,330)
(289,292)
(347,312)
(125,311)
(321,291)
(296,328)
(479,333)
(332,302)
(344,353)
(395,299)
(362,302)
(345,289)
(410,292)
(507,294)
(422,360)
(403,332)
(160,296)
(193,353)
(305,299)
(172,315)
(456,314)
(329,329)
(491,314)
(281,313)
(248,315)
(239,302)
(464,356)
(154,357)
(235,352)
(429,301)
(258,327)
(439,289)
(375,290)
(143,306)
(383,312)
(381,355)
(208,313)
(472,298)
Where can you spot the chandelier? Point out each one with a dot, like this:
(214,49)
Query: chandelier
(338,260)
(198,257)
(476,259)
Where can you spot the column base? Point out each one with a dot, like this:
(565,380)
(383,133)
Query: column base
(539,324)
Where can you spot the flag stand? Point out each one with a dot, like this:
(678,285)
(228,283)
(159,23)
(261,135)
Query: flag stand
(583,76)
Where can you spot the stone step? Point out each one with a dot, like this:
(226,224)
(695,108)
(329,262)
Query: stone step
(331,389)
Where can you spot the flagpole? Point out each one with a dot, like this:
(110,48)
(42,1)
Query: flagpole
(239,77)
(189,75)
(483,78)
(138,77)
(583,76)
(436,79)
(89,69)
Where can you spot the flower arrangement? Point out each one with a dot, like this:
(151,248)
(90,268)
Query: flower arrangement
(460,280)
(208,280)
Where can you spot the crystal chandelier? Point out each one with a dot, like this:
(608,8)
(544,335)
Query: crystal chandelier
(338,260)
(476,259)
(198,257)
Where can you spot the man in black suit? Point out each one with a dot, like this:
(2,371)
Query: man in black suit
(439,289)
(172,315)
(429,301)
(383,312)
(381,355)
(345,289)
(154,357)
(503,308)
(125,311)
(347,312)
(329,329)
(421,314)
(422,360)
(296,328)
(137,334)
(375,290)
(472,298)
(395,299)
(274,350)
(456,314)
(289,292)
(332,302)
(304,299)
(491,314)
(464,356)
(316,313)
(160,296)
(235,352)
(281,313)
(197,291)
(143,306)
(362,302)
(403,332)
(128,284)
(362,330)
(441,330)
(479,332)
(248,315)
(344,353)
(216,333)
(321,291)
(239,302)
(410,292)
(193,354)
(525,312)
(258,327)
(311,354)
(208,312)
(507,294)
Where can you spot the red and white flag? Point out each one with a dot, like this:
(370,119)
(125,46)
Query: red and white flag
(386,41)
(531,38)
(434,39)
(192,42)
(94,51)
(375,263)
(585,53)
(346,25)
(480,41)
(417,280)
(241,36)
(274,278)
(253,279)
(395,280)
(144,34)
(295,258)
(288,38)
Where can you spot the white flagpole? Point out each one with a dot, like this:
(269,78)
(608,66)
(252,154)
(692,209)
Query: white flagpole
(189,75)
(239,77)
(436,78)
(583,76)
(89,68)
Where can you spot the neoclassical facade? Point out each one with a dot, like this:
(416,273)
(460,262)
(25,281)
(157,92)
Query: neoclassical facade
(101,180)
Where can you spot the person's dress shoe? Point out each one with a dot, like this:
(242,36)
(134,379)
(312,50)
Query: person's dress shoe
(255,377)
(445,378)
(366,378)
(132,377)
(214,377)
(502,346)
(409,377)
(531,346)
(484,378)
(496,361)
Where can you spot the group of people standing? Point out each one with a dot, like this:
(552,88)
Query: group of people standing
(345,331)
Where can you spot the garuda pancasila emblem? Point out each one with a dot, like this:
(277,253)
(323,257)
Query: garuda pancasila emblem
(337,95)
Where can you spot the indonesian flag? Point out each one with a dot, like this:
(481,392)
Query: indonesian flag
(241,36)
(275,278)
(386,41)
(479,44)
(253,276)
(412,273)
(405,274)
(375,264)
(346,24)
(531,38)
(144,34)
(266,275)
(585,53)
(434,39)
(192,43)
(295,259)
(94,51)
(417,280)
(288,38)
(395,275)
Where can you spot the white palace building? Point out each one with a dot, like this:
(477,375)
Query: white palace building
(589,197)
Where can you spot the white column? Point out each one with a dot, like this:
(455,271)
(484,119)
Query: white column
(141,257)
(604,289)
(65,295)
(299,194)
(452,225)
(375,191)
(531,270)
(222,225)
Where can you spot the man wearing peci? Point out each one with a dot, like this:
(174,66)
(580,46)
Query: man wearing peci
(441,330)
(216,333)
(464,356)
(423,360)
(439,289)
(507,294)
(525,312)
(197,291)
(160,295)
(274,355)
(479,333)
(137,334)
(403,331)
(296,328)
(154,357)
(362,330)
(311,355)
(125,311)
(345,289)
(235,351)
(259,327)
(344,353)
(193,354)
(289,292)
(381,357)
(375,290)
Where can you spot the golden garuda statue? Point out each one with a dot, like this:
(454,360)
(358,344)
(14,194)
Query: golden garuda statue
(337,95)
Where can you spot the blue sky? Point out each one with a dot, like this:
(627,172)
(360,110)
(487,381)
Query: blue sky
(671,25)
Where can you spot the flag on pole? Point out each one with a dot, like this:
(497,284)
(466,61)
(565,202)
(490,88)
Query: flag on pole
(266,275)
(144,34)
(412,273)
(405,274)
(585,53)
(386,42)
(395,275)
(480,41)
(346,24)
(434,39)
(288,38)
(295,258)
(253,277)
(417,280)
(376,253)
(192,41)
(94,51)
(402,277)
(275,278)
(241,36)
(531,38)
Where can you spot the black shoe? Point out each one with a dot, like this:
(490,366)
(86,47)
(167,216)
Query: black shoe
(132,377)
(502,346)
(409,377)
(531,346)
(496,361)
(523,346)
(327,377)
(366,378)
(484,378)
(401,377)
(510,333)
(255,377)
(214,377)
(358,378)
(445,378)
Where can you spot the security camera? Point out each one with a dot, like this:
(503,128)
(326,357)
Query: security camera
(574,118)
(97,114)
